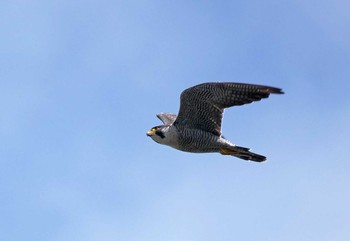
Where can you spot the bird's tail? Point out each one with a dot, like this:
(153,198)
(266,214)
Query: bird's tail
(243,153)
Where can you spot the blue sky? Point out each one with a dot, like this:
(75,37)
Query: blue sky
(81,82)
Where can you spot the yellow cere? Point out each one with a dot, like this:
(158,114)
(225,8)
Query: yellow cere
(151,132)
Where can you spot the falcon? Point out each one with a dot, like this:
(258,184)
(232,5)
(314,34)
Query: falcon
(197,127)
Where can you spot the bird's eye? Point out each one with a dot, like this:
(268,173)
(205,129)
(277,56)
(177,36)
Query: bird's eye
(160,133)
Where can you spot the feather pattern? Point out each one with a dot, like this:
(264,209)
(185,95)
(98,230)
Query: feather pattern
(197,127)
(167,118)
(202,106)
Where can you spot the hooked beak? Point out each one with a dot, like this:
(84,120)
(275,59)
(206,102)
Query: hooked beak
(150,133)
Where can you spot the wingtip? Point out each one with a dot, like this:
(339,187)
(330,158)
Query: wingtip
(280,91)
(274,90)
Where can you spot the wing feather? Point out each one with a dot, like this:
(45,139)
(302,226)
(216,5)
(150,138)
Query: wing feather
(167,118)
(202,106)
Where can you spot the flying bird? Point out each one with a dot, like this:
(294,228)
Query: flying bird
(197,127)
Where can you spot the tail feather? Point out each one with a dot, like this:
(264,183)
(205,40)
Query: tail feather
(243,153)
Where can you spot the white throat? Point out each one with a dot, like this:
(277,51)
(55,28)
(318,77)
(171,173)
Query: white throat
(170,137)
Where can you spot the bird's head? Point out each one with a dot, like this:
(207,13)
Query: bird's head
(158,133)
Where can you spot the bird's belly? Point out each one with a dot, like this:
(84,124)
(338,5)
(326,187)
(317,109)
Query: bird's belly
(199,142)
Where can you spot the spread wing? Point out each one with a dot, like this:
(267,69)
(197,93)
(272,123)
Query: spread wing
(167,118)
(202,106)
